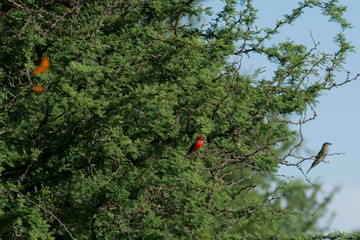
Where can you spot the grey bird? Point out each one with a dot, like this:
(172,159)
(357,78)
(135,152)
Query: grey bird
(321,155)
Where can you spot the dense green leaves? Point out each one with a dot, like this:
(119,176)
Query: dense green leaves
(100,153)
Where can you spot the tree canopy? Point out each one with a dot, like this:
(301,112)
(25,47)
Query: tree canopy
(97,151)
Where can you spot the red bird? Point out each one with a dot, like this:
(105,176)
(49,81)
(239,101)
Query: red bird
(38,89)
(196,145)
(43,67)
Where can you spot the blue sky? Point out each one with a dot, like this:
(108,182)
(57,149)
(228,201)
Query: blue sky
(338,111)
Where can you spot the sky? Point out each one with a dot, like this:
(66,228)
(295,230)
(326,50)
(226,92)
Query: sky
(337,110)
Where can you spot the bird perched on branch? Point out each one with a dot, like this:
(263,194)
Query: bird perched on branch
(321,155)
(196,145)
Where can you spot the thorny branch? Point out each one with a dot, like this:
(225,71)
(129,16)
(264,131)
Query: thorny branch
(45,210)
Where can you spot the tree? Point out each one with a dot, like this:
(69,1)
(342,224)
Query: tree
(100,153)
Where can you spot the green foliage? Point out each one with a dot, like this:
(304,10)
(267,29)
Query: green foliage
(100,153)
